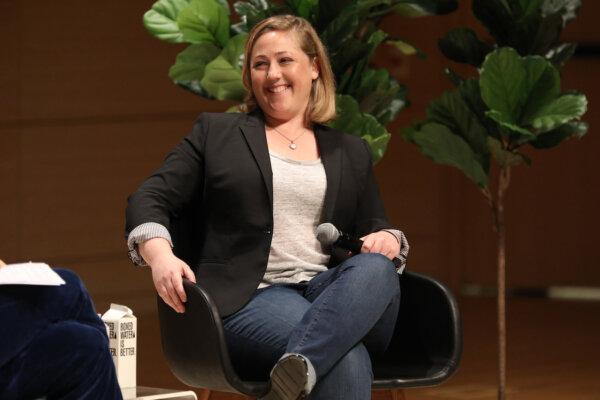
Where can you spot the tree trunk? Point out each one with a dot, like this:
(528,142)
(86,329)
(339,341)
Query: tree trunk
(501,231)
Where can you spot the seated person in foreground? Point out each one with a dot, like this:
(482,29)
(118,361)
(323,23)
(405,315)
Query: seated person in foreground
(53,345)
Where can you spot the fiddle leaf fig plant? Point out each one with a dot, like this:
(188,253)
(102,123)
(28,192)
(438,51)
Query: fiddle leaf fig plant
(211,65)
(513,101)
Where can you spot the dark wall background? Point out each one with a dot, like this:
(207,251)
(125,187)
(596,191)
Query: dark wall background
(87,111)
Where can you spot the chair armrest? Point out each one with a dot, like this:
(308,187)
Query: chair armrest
(432,306)
(194,344)
(427,343)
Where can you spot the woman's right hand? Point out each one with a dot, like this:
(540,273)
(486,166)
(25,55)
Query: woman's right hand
(167,272)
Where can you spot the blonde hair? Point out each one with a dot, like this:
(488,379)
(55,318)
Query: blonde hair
(321,103)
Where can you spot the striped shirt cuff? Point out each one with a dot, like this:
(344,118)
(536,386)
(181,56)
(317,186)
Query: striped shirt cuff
(404,247)
(142,233)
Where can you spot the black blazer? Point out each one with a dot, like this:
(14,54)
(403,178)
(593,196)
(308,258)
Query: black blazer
(214,193)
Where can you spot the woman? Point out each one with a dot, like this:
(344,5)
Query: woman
(252,188)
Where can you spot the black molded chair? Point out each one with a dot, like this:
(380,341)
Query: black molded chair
(425,350)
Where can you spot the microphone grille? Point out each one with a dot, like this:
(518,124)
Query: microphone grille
(327,234)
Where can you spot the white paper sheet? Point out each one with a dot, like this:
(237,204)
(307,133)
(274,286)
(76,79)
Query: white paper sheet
(29,274)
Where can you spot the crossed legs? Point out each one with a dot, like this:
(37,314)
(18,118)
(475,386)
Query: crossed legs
(334,321)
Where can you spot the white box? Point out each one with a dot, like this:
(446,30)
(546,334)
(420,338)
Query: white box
(122,336)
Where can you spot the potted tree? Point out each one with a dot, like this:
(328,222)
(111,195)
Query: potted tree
(513,101)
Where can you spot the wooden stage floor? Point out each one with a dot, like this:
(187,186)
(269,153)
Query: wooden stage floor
(553,353)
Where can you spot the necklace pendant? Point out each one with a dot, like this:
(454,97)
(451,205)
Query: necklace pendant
(292,146)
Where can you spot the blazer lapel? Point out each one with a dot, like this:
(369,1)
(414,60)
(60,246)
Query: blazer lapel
(254,133)
(331,156)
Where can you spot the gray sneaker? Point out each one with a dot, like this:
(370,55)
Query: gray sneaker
(289,379)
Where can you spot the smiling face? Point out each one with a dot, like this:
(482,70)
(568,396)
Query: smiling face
(281,75)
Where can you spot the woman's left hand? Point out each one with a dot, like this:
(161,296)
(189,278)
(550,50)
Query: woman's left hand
(381,242)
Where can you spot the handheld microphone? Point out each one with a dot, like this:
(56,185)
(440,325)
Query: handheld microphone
(331,239)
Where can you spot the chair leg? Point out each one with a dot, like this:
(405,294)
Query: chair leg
(392,394)
(398,394)
(214,395)
(204,394)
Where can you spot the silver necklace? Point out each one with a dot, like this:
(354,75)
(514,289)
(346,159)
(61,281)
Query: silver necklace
(292,145)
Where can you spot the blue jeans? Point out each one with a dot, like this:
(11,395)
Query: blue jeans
(337,320)
(53,344)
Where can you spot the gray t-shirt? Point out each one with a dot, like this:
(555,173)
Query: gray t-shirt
(298,195)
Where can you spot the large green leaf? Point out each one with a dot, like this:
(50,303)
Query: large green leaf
(223,76)
(544,32)
(250,13)
(470,92)
(347,56)
(372,4)
(379,94)
(161,20)
(524,8)
(568,9)
(377,144)
(503,82)
(364,125)
(442,146)
(462,45)
(509,127)
(561,110)
(234,51)
(386,113)
(452,111)
(345,49)
(189,66)
(556,136)
(372,84)
(304,8)
(419,8)
(225,5)
(359,67)
(329,10)
(204,21)
(541,86)
(406,48)
(222,81)
(522,93)
(518,24)
(513,23)
(532,27)
(497,19)
(376,37)
(560,54)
